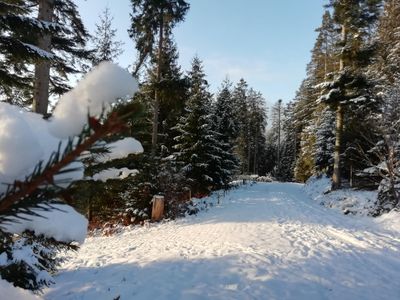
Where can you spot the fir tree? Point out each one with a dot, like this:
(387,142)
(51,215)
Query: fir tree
(172,91)
(239,101)
(384,157)
(289,144)
(325,141)
(256,131)
(307,111)
(38,193)
(150,18)
(247,127)
(305,164)
(17,30)
(198,151)
(323,60)
(105,45)
(350,87)
(225,127)
(67,47)
(55,41)
(387,65)
(225,113)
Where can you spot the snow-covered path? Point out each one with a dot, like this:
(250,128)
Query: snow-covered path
(267,241)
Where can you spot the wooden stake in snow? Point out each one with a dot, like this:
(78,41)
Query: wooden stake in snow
(158,208)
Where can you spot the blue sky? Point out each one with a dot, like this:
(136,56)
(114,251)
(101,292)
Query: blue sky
(267,42)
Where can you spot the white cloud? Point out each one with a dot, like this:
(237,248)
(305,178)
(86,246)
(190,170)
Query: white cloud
(250,70)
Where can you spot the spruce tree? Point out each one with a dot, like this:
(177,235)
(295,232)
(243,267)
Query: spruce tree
(383,158)
(172,91)
(198,151)
(39,193)
(240,105)
(303,119)
(307,111)
(288,144)
(225,128)
(17,32)
(239,101)
(105,46)
(67,47)
(325,141)
(150,18)
(54,40)
(225,113)
(323,59)
(387,65)
(349,86)
(256,132)
(249,117)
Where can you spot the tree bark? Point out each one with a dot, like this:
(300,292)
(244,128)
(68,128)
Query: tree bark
(249,149)
(157,211)
(42,68)
(255,166)
(336,179)
(279,136)
(156,91)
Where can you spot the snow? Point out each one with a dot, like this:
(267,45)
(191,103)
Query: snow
(390,221)
(346,200)
(114,173)
(262,241)
(121,149)
(96,92)
(60,218)
(8,291)
(15,135)
(42,53)
(26,139)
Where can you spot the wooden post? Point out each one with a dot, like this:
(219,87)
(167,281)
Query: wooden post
(157,211)
(188,194)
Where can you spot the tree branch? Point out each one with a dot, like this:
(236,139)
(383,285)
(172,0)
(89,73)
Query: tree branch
(113,124)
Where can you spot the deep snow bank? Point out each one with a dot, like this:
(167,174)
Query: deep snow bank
(349,201)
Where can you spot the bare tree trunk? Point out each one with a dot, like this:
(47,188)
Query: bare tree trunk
(249,150)
(336,179)
(255,167)
(326,61)
(279,136)
(42,68)
(157,92)
(344,38)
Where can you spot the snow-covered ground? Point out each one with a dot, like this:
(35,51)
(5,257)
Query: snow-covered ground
(347,200)
(266,241)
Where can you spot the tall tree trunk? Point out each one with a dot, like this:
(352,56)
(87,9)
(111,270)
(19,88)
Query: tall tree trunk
(42,68)
(279,136)
(249,149)
(157,92)
(336,179)
(255,170)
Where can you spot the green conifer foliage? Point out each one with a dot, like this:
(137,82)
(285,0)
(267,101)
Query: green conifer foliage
(198,151)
